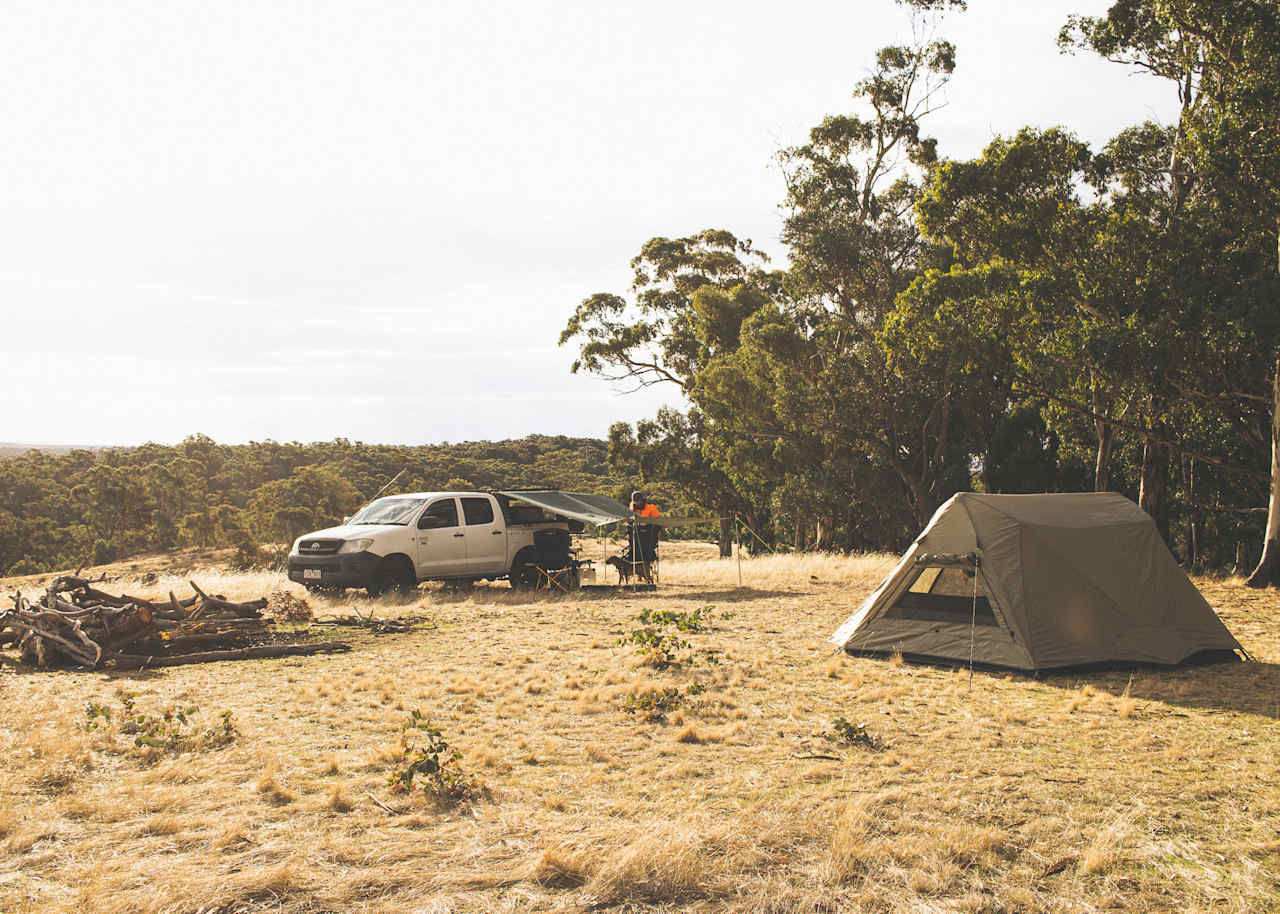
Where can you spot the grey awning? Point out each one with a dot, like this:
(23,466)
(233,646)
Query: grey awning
(597,510)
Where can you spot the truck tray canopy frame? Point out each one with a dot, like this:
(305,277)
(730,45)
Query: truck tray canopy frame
(597,510)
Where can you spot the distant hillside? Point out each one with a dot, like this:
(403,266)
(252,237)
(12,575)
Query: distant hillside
(17,448)
(63,506)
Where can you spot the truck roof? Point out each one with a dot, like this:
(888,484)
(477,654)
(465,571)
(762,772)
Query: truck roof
(431,494)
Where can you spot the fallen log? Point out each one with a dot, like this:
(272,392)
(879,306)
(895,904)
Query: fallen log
(181,644)
(33,644)
(218,604)
(131,624)
(393,626)
(142,661)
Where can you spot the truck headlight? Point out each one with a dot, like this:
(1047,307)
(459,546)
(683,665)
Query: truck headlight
(294,550)
(356,545)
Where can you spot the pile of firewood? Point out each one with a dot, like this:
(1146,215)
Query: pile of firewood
(75,624)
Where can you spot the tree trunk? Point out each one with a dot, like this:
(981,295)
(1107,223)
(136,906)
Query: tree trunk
(1102,465)
(1268,570)
(1153,494)
(726,537)
(1193,519)
(822,535)
(1241,559)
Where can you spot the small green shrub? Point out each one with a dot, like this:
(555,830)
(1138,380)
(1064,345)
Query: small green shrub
(682,621)
(224,731)
(664,648)
(655,706)
(174,729)
(95,715)
(428,754)
(171,729)
(854,735)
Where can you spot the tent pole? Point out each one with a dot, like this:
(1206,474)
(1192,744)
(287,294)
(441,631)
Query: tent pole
(973,624)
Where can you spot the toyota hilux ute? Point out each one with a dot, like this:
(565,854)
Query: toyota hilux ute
(397,541)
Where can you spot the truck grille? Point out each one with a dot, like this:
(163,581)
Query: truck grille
(319,547)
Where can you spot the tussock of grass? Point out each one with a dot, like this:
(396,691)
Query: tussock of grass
(663,862)
(1108,848)
(338,800)
(853,846)
(272,788)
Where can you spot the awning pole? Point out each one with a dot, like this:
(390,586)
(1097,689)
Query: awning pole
(737,535)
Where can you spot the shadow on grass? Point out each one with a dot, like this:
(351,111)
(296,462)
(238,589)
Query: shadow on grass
(727,594)
(17,666)
(1247,688)
(500,594)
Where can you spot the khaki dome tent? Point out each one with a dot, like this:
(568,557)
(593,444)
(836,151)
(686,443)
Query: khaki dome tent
(1035,582)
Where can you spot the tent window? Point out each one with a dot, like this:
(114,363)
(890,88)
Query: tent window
(943,595)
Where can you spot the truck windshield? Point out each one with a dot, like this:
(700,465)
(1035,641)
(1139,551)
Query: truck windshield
(393,510)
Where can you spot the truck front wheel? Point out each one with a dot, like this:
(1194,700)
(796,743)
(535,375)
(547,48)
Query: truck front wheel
(394,573)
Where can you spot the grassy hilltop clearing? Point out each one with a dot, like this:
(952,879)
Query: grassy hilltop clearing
(758,771)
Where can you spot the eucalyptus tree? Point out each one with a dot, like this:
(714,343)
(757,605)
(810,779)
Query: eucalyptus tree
(795,401)
(855,246)
(660,335)
(690,297)
(1225,56)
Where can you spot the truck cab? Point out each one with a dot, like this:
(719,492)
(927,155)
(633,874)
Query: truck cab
(397,541)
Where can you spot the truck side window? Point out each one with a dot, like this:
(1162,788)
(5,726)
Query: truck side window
(477,511)
(440,514)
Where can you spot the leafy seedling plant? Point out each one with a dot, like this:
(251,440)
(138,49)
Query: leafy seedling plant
(659,642)
(429,755)
(173,729)
(849,734)
(655,706)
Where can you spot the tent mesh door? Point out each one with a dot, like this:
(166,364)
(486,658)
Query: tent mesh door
(940,594)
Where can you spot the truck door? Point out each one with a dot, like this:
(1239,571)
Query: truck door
(442,550)
(486,536)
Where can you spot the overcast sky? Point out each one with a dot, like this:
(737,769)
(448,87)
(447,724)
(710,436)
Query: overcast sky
(305,220)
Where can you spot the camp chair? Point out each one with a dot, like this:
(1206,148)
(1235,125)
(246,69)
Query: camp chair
(555,563)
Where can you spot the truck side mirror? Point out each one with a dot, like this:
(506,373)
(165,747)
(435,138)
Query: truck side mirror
(346,519)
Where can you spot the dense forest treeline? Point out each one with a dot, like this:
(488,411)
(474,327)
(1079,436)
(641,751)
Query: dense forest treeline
(61,510)
(1047,316)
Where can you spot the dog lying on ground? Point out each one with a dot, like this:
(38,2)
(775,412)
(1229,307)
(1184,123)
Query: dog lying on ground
(626,570)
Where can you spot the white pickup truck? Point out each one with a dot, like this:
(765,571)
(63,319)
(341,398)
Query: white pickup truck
(397,541)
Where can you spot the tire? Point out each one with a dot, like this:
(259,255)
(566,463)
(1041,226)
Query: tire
(523,577)
(393,575)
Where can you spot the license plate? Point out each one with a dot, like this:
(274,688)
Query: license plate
(311,574)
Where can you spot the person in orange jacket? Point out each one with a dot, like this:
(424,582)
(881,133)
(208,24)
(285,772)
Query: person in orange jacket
(642,505)
(646,535)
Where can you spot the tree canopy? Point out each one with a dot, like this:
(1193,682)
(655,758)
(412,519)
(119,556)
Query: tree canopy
(1046,316)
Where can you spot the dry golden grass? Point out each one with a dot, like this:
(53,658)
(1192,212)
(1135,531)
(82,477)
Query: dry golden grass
(1151,791)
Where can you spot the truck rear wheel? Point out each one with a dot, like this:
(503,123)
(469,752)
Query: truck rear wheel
(523,577)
